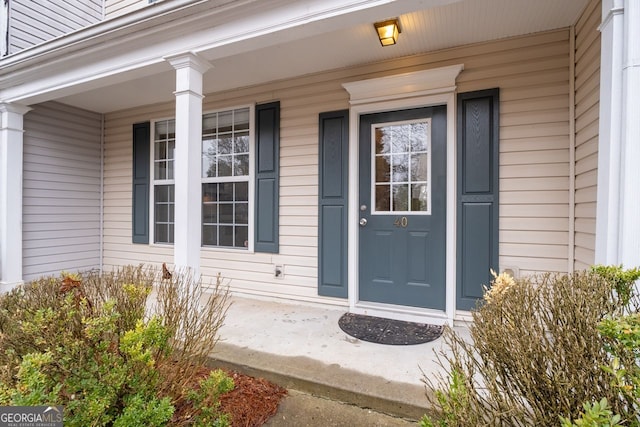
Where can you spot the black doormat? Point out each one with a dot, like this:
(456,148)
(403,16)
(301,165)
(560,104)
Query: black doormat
(387,331)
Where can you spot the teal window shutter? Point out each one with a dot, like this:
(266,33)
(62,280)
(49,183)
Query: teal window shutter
(332,203)
(478,170)
(140,191)
(267,178)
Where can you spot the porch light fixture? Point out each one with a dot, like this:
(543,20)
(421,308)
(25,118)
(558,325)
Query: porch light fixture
(388,31)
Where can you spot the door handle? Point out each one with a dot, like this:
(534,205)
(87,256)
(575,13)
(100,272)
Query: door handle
(363,222)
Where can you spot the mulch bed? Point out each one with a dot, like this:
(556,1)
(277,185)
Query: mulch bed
(252,402)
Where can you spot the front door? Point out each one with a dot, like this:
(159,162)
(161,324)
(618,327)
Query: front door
(402,207)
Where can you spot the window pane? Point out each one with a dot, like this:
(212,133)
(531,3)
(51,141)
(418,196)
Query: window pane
(241,142)
(241,119)
(161,150)
(400,138)
(383,167)
(210,213)
(209,192)
(171,146)
(208,167)
(419,197)
(419,135)
(161,233)
(225,193)
(241,238)
(210,235)
(400,168)
(209,123)
(242,191)
(420,167)
(161,194)
(226,235)
(164,212)
(382,139)
(162,130)
(225,145)
(160,171)
(225,121)
(226,213)
(241,165)
(209,151)
(383,202)
(170,169)
(242,213)
(224,165)
(400,197)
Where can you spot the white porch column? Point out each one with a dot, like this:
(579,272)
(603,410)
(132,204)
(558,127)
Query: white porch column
(629,245)
(187,164)
(607,211)
(11,138)
(618,208)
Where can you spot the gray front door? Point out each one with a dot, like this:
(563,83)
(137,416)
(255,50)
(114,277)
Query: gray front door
(402,207)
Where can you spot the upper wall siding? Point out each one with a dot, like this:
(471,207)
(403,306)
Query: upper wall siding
(115,8)
(34,22)
(61,190)
(533,75)
(587,87)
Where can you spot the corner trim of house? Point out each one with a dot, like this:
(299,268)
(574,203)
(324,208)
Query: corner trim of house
(420,88)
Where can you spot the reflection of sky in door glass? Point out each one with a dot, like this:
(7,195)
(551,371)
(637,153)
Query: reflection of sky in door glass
(402,167)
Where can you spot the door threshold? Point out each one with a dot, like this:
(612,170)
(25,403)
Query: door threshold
(400,312)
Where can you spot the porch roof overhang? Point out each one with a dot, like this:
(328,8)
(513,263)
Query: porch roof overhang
(120,63)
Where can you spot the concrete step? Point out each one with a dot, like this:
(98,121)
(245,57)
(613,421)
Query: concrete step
(330,381)
(300,346)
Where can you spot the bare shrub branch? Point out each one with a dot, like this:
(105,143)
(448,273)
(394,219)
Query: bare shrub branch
(535,353)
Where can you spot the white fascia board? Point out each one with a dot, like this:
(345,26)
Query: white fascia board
(98,56)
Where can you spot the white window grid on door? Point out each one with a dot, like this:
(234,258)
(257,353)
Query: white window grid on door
(416,154)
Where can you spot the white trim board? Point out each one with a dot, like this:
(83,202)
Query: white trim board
(408,90)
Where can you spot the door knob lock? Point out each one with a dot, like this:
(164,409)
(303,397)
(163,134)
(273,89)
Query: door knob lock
(363,222)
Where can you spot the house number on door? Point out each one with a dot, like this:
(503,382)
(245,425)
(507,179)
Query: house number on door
(401,222)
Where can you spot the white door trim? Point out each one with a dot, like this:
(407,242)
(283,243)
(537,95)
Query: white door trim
(408,90)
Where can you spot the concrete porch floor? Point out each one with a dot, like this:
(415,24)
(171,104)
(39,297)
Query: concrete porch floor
(301,347)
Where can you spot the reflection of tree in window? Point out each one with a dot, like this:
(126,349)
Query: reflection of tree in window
(225,172)
(402,167)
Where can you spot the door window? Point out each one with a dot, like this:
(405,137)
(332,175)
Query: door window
(401,167)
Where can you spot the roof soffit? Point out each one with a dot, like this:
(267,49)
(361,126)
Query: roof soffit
(138,46)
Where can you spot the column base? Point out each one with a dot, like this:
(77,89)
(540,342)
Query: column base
(7,286)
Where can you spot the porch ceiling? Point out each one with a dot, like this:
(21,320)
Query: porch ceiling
(335,42)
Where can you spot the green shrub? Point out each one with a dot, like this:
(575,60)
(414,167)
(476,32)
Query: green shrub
(86,342)
(536,353)
(206,398)
(596,414)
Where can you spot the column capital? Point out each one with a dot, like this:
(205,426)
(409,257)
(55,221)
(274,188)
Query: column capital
(188,60)
(10,107)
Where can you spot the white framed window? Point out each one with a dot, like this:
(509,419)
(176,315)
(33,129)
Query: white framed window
(163,184)
(401,165)
(227,178)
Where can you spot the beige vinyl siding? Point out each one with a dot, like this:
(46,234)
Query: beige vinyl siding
(533,75)
(61,190)
(587,87)
(114,8)
(34,22)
